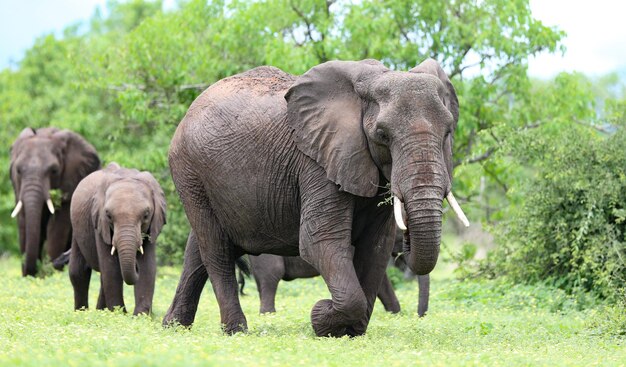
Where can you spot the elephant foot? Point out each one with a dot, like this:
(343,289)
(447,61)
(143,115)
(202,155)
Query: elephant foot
(325,320)
(172,320)
(233,328)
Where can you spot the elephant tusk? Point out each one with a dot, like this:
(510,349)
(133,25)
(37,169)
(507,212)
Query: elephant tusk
(457,209)
(141,249)
(112,250)
(50,206)
(397,213)
(17,209)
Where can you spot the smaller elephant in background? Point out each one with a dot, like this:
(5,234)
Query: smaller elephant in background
(117,215)
(269,269)
(45,160)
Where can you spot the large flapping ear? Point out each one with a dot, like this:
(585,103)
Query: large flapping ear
(450,100)
(325,110)
(160,206)
(79,159)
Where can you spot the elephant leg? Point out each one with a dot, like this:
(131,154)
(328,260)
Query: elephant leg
(144,288)
(216,251)
(80,275)
(59,233)
(387,296)
(268,270)
(374,231)
(192,280)
(102,303)
(111,278)
(325,243)
(423,281)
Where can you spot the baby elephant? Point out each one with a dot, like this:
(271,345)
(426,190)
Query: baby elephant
(117,215)
(269,269)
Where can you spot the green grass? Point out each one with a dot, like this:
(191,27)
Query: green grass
(484,323)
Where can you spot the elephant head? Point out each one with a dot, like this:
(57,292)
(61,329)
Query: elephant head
(367,125)
(42,160)
(129,213)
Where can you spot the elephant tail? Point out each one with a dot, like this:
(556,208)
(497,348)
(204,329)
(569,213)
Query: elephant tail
(62,260)
(243,265)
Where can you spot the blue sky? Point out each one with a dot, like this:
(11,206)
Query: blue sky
(596,42)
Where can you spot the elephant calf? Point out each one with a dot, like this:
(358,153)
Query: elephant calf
(117,215)
(269,269)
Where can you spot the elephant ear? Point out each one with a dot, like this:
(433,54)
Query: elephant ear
(160,207)
(325,109)
(100,220)
(449,99)
(79,159)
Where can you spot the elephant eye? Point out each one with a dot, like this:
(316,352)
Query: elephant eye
(382,135)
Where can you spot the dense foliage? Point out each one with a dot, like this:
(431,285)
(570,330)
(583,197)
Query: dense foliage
(571,229)
(126,80)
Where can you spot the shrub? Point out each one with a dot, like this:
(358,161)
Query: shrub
(571,228)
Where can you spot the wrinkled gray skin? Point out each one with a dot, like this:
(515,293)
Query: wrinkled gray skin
(266,162)
(42,160)
(268,270)
(124,209)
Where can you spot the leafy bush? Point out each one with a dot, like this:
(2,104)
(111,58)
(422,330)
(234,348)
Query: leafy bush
(571,229)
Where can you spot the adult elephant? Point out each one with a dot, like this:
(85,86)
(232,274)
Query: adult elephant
(42,160)
(266,162)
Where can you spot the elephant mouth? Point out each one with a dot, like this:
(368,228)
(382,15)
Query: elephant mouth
(399,211)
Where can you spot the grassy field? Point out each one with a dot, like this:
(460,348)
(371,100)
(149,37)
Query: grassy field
(486,323)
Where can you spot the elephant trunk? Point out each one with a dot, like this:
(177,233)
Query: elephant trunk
(125,241)
(421,179)
(33,198)
(424,214)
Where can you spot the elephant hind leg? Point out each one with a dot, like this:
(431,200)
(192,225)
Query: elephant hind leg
(218,256)
(192,280)
(80,275)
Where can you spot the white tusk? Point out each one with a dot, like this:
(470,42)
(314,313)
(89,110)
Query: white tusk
(50,206)
(17,209)
(112,250)
(141,249)
(457,209)
(397,213)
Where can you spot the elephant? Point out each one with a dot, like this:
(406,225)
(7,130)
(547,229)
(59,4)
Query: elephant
(268,270)
(47,159)
(267,162)
(117,214)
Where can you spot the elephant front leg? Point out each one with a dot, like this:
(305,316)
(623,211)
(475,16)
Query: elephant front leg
(192,280)
(80,275)
(267,270)
(387,295)
(374,236)
(325,242)
(59,233)
(144,288)
(110,277)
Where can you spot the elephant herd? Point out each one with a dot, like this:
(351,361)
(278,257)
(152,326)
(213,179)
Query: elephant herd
(265,163)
